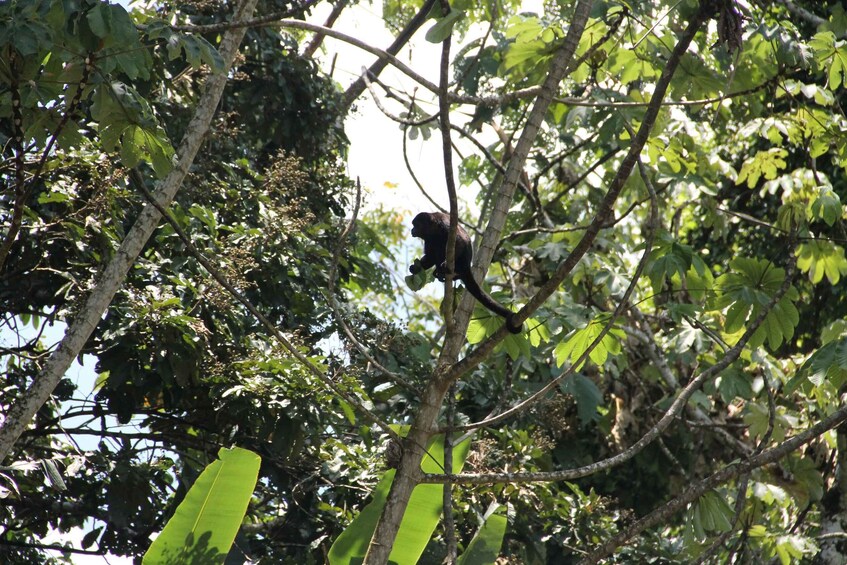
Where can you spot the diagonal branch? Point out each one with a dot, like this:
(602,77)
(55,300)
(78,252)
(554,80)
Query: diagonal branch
(336,310)
(771,455)
(316,41)
(491,237)
(622,305)
(409,472)
(355,90)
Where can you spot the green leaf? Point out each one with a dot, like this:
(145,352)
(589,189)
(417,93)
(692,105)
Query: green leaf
(588,397)
(579,341)
(443,26)
(100,20)
(769,493)
(733,384)
(745,290)
(668,258)
(827,206)
(29,38)
(832,55)
(807,484)
(485,545)
(198,51)
(205,523)
(422,513)
(522,28)
(711,513)
(418,280)
(757,417)
(629,66)
(820,257)
(765,163)
(827,364)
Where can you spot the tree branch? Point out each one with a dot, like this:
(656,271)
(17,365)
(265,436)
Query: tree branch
(355,90)
(409,471)
(734,470)
(664,422)
(604,211)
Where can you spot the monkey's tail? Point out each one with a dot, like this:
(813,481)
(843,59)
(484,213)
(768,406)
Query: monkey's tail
(486,300)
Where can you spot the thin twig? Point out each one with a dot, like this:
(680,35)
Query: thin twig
(24,192)
(316,41)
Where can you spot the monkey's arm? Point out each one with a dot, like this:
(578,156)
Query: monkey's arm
(421,264)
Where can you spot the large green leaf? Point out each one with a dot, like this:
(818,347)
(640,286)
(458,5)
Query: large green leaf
(764,164)
(578,342)
(832,55)
(485,545)
(710,514)
(819,258)
(443,27)
(588,397)
(204,525)
(419,521)
(749,287)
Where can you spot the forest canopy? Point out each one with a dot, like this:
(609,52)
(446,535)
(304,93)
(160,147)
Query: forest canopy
(205,307)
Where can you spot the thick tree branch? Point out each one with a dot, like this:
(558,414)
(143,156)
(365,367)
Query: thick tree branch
(652,227)
(664,422)
(604,211)
(316,41)
(409,471)
(491,237)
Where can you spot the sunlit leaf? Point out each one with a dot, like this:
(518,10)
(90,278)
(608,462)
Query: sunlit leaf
(205,523)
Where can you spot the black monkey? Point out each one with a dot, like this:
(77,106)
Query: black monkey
(433,228)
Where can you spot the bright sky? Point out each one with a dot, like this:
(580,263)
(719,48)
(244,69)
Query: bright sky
(375,140)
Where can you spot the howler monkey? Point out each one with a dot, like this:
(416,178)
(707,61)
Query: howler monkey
(433,228)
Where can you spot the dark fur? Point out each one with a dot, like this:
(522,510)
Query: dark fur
(433,228)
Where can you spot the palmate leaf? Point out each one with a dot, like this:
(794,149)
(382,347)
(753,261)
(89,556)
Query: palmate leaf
(670,260)
(827,206)
(829,363)
(746,290)
(574,346)
(765,164)
(819,258)
(832,55)
(588,397)
(711,513)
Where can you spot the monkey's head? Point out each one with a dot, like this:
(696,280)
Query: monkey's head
(421,225)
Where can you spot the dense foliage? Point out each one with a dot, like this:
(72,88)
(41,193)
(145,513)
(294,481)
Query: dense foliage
(702,327)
